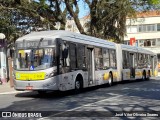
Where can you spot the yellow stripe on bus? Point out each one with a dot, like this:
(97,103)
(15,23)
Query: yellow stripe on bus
(155,73)
(139,74)
(30,76)
(106,76)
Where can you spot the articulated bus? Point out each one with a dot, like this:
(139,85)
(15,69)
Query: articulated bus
(61,60)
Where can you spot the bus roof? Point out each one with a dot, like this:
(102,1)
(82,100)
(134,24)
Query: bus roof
(66,35)
(136,49)
(76,37)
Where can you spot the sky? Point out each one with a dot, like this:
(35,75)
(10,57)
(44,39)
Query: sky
(83,9)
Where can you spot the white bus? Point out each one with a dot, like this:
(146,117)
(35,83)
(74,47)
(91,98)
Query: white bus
(61,60)
(136,63)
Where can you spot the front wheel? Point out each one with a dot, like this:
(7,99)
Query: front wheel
(78,86)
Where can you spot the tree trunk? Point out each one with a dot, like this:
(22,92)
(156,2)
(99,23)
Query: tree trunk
(75,17)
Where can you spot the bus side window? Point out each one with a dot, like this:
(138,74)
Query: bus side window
(135,60)
(113,58)
(64,57)
(125,59)
(141,60)
(98,59)
(73,56)
(81,56)
(106,59)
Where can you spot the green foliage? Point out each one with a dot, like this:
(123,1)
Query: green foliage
(107,17)
(19,17)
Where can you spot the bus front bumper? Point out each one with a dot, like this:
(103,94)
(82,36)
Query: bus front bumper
(46,84)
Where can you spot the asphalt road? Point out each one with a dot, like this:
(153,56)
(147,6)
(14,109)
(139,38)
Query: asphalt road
(128,100)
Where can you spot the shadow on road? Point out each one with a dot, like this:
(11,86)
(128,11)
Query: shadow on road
(123,97)
(59,94)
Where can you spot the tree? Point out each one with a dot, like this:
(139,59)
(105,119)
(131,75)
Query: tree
(24,16)
(71,5)
(108,17)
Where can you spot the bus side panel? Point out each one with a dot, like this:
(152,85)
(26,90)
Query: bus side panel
(102,76)
(126,74)
(138,73)
(67,81)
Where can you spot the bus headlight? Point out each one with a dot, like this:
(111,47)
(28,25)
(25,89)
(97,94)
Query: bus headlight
(48,75)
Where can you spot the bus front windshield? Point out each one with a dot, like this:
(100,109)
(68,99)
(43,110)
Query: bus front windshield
(35,59)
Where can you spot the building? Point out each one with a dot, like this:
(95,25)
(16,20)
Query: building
(71,26)
(145,29)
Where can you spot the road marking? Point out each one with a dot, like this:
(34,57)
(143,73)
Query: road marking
(90,104)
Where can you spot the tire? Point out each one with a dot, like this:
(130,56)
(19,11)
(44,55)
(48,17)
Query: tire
(78,86)
(110,80)
(144,75)
(148,77)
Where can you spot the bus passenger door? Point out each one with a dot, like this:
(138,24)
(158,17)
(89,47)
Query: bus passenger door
(132,66)
(90,63)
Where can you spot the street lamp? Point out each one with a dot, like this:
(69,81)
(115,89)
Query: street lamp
(2,36)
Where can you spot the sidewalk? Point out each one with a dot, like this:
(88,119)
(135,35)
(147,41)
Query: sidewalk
(5,88)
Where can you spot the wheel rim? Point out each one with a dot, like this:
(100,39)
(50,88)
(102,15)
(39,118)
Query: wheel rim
(144,76)
(148,75)
(110,80)
(78,85)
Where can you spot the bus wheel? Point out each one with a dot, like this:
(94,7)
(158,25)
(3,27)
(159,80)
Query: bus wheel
(110,80)
(148,76)
(144,75)
(78,86)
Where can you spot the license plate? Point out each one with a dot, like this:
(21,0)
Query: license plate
(29,87)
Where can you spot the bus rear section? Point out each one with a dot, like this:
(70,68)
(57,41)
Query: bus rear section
(136,63)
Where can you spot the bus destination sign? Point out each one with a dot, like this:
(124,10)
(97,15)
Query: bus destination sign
(33,44)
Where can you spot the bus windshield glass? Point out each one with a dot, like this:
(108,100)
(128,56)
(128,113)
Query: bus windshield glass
(35,59)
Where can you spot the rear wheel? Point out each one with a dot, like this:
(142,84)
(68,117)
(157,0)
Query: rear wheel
(148,76)
(110,80)
(144,75)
